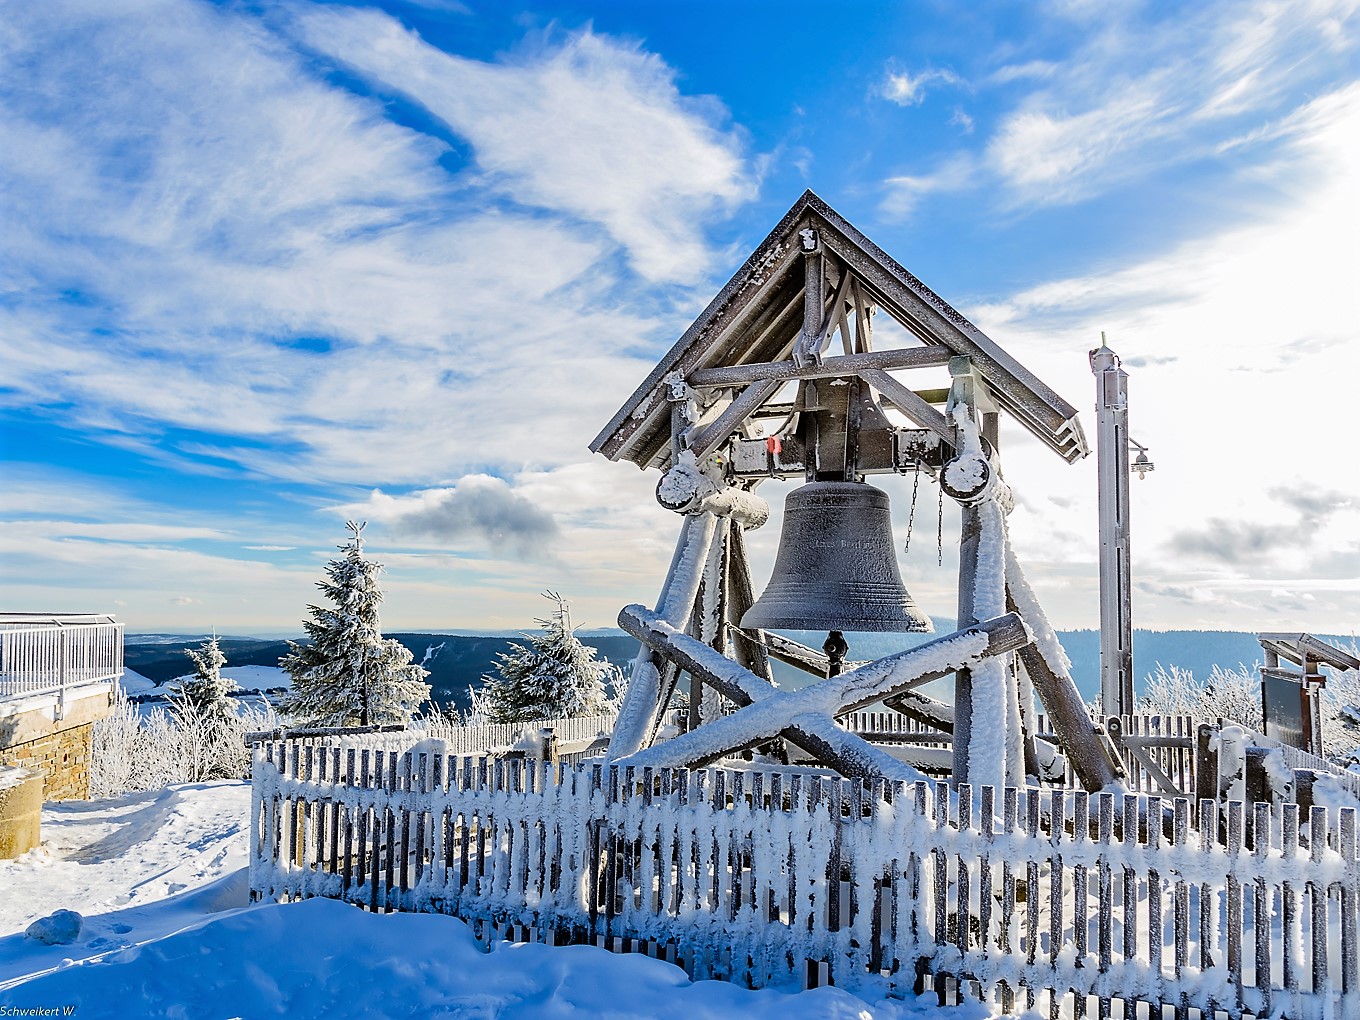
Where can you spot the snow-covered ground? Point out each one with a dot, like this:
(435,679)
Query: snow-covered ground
(167,932)
(247,678)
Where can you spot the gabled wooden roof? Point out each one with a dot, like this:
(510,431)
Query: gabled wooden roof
(758,315)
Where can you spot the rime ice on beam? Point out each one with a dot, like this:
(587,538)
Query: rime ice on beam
(805,717)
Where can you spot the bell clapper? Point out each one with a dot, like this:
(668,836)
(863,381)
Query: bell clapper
(835,647)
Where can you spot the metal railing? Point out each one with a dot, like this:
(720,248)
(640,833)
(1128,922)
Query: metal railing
(47,653)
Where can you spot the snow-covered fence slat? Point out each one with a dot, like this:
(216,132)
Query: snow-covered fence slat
(572,736)
(1034,895)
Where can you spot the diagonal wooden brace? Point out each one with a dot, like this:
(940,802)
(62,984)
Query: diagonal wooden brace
(806,716)
(815,733)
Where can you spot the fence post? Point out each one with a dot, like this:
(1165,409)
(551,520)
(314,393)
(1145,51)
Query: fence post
(62,677)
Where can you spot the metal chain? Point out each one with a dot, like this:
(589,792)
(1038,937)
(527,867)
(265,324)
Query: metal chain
(911,516)
(939,526)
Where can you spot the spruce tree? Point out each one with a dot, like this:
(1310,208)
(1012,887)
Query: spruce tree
(206,691)
(554,677)
(349,674)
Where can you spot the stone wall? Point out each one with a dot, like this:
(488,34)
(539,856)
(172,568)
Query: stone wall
(63,756)
(20,811)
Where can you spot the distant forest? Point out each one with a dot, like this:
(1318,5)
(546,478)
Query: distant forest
(460,660)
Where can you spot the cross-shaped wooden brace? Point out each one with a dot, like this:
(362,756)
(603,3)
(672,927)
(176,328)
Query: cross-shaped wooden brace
(806,718)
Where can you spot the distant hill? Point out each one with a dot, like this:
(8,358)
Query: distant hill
(457,661)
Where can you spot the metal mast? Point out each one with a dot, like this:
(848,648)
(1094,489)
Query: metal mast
(1112,466)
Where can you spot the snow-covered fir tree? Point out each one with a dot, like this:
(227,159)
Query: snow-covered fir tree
(206,691)
(349,674)
(554,677)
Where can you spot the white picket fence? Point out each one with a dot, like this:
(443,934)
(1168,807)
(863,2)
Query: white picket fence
(572,736)
(1036,897)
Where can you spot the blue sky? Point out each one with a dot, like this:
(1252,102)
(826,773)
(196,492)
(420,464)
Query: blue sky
(267,266)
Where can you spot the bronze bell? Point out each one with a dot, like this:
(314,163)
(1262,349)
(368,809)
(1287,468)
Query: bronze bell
(836,568)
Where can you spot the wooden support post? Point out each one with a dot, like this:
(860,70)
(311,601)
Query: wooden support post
(750,650)
(970,533)
(982,701)
(807,348)
(675,604)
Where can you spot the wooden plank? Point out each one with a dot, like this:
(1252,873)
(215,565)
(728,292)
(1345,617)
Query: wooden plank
(986,826)
(1350,914)
(1081,918)
(1156,937)
(1105,889)
(1057,873)
(1234,905)
(1262,905)
(1208,912)
(1317,898)
(1289,908)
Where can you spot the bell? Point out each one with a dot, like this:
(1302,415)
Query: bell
(837,566)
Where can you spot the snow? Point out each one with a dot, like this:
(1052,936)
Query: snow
(133,683)
(59,928)
(12,775)
(258,678)
(167,932)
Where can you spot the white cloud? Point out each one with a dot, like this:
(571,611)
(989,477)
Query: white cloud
(593,128)
(1093,122)
(1248,343)
(903,192)
(219,241)
(1030,70)
(907,89)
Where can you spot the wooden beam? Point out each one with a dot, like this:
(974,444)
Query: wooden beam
(1091,754)
(848,753)
(815,733)
(864,335)
(842,365)
(924,709)
(714,434)
(1294,645)
(906,400)
(772,712)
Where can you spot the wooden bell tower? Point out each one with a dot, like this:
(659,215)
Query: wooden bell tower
(753,390)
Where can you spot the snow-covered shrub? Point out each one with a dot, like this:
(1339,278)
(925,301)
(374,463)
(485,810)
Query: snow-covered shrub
(1235,695)
(350,675)
(1232,694)
(554,677)
(132,752)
